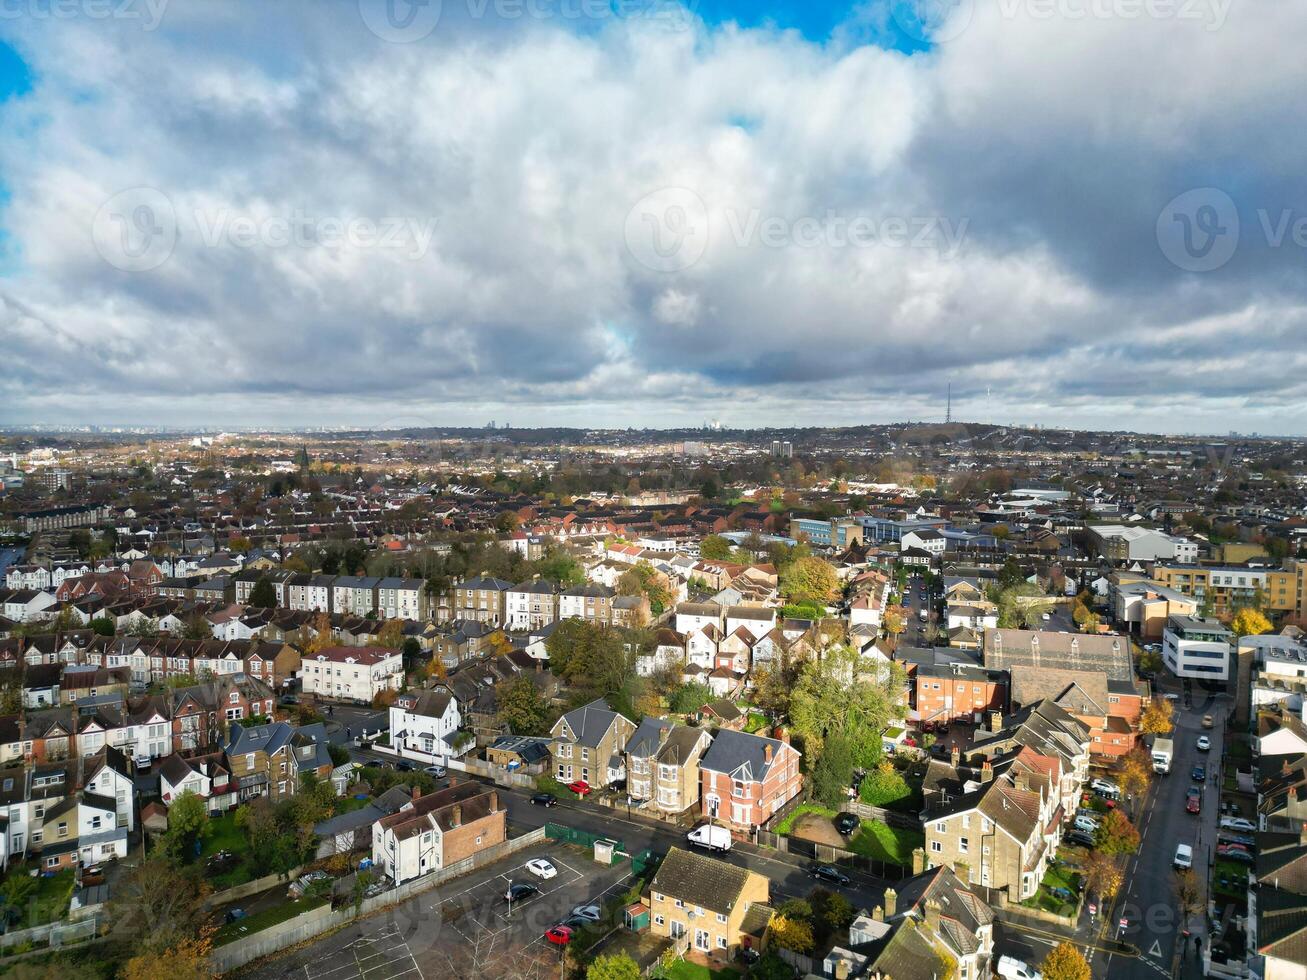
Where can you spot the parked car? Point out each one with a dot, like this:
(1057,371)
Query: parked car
(437,771)
(1238,823)
(520,892)
(541,868)
(1226,837)
(826,872)
(1080,837)
(1011,968)
(1229,853)
(1086,824)
(1204,743)
(1184,857)
(1193,800)
(592,913)
(1198,773)
(847,823)
(403,765)
(580,787)
(1207,721)
(545,799)
(1105,787)
(142,763)
(559,935)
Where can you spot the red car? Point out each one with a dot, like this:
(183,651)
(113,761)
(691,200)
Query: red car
(580,787)
(559,935)
(1194,801)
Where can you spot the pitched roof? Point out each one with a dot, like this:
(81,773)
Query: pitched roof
(697,879)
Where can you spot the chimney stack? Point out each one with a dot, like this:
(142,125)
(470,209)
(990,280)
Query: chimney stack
(417,793)
(841,969)
(766,753)
(891,902)
(986,772)
(932,915)
(995,721)
(456,817)
(957,756)
(878,913)
(918,860)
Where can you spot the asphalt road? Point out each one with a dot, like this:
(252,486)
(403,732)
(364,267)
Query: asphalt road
(1149,897)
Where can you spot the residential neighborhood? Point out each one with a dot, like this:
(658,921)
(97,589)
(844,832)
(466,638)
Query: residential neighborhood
(860,745)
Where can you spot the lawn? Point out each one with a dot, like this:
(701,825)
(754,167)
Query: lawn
(875,840)
(801,810)
(683,970)
(884,843)
(1230,878)
(268,917)
(224,835)
(1057,876)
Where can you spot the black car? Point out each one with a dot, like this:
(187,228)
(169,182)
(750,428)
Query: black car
(518,893)
(826,872)
(847,823)
(1198,773)
(405,766)
(1081,837)
(545,799)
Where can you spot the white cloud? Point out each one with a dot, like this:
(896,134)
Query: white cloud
(1052,143)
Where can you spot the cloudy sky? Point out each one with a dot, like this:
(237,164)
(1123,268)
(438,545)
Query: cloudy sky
(634,212)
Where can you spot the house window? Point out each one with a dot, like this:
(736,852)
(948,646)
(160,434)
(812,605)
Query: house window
(721,917)
(721,942)
(962,844)
(936,846)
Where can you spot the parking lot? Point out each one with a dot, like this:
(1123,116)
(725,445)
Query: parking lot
(464,928)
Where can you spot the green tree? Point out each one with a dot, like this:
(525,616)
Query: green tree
(188,822)
(263,595)
(715,548)
(689,697)
(613,966)
(844,693)
(833,772)
(103,626)
(1064,962)
(522,707)
(884,786)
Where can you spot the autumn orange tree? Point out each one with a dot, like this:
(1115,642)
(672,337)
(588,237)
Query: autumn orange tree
(1158,717)
(1065,962)
(1136,772)
(1117,835)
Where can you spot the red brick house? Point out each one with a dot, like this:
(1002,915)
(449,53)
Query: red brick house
(746,778)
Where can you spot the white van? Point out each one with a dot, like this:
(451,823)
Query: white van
(1184,857)
(710,837)
(1087,824)
(1011,968)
